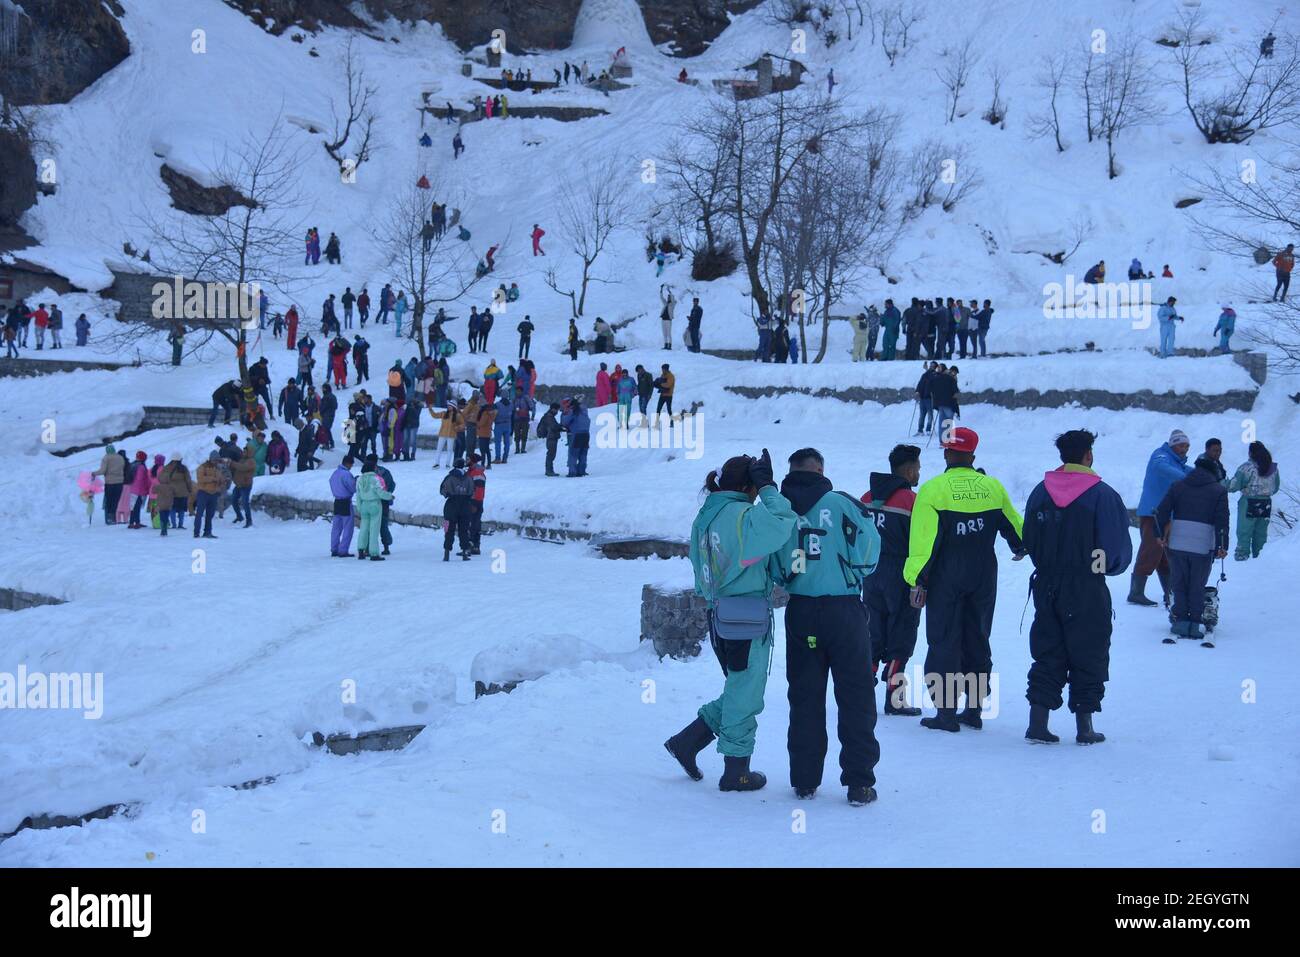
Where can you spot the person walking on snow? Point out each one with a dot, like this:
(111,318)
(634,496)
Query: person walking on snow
(537,235)
(669,301)
(343,485)
(1167,465)
(1193,523)
(1076,532)
(953,570)
(371,494)
(892,621)
(1167,315)
(1258,481)
(832,549)
(458,490)
(743,521)
(1225,327)
(1283,262)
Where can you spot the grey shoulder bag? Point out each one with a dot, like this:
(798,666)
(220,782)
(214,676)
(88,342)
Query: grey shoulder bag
(744,618)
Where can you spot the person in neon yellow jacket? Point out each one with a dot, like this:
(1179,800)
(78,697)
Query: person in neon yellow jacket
(951,567)
(743,521)
(371,496)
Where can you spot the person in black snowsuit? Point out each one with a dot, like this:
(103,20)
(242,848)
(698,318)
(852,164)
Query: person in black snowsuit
(951,564)
(290,403)
(306,450)
(458,489)
(361,360)
(525,336)
(893,622)
(226,399)
(548,429)
(1193,523)
(924,401)
(329,407)
(943,398)
(1076,532)
(912,323)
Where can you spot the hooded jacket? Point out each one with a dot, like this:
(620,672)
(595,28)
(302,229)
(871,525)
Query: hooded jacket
(956,518)
(1164,468)
(174,485)
(890,503)
(1076,524)
(834,544)
(1195,513)
(732,541)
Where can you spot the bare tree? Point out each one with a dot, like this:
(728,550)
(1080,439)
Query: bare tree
(697,198)
(938,173)
(590,211)
(996,114)
(1255,92)
(431,268)
(1123,91)
(956,72)
(1250,214)
(1050,78)
(245,245)
(359,119)
(1087,72)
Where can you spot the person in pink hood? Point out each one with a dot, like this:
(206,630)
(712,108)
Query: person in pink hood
(603,390)
(138,489)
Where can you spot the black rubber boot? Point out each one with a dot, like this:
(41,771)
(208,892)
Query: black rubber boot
(805,794)
(971,717)
(1038,732)
(1137,591)
(895,683)
(446,554)
(738,777)
(860,794)
(687,743)
(945,720)
(1083,729)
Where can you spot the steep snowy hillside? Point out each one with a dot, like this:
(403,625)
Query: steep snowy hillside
(221,658)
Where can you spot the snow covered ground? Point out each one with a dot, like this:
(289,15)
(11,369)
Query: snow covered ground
(215,678)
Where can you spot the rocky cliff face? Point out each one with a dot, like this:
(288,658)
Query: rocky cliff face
(63,47)
(17,178)
(687,25)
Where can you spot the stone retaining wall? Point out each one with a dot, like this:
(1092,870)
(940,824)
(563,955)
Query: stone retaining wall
(1174,403)
(676,620)
(15,599)
(29,368)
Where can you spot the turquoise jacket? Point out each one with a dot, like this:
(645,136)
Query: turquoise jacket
(742,536)
(834,545)
(370,491)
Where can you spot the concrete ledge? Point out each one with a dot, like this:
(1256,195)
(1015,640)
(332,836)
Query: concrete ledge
(381,739)
(43,822)
(29,368)
(1186,403)
(14,599)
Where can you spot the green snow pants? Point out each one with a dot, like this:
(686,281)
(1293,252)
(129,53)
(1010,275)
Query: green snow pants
(733,715)
(1252,533)
(372,514)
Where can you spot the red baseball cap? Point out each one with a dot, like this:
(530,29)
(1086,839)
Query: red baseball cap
(962,439)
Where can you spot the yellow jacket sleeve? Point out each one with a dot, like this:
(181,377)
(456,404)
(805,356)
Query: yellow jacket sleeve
(924,529)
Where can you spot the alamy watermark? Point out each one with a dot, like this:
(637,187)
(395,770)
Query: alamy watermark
(1101,300)
(65,691)
(684,431)
(189,299)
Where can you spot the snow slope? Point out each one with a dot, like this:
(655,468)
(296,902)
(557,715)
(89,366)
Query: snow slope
(214,678)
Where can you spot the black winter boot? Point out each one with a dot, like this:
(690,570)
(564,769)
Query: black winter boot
(1083,729)
(895,683)
(860,794)
(945,720)
(738,777)
(970,716)
(446,554)
(687,743)
(1137,591)
(1038,732)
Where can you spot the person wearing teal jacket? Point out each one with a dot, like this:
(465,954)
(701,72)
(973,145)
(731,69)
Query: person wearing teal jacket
(833,547)
(732,540)
(371,496)
(1257,480)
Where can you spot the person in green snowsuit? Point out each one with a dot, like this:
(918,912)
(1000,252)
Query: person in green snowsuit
(732,540)
(1257,480)
(371,496)
(260,449)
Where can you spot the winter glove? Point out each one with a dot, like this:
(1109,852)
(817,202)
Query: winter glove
(917,596)
(760,471)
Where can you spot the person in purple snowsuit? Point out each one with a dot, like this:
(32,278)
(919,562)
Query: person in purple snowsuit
(343,485)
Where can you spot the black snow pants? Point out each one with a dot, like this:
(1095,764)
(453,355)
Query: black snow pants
(958,621)
(1190,572)
(893,622)
(1070,641)
(829,635)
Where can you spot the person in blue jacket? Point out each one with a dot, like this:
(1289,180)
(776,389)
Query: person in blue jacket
(1167,465)
(502,427)
(1225,327)
(1076,531)
(832,548)
(577,425)
(742,522)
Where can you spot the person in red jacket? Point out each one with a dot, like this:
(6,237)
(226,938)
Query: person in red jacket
(363,306)
(339,350)
(479,478)
(538,233)
(893,622)
(42,322)
(1283,262)
(291,321)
